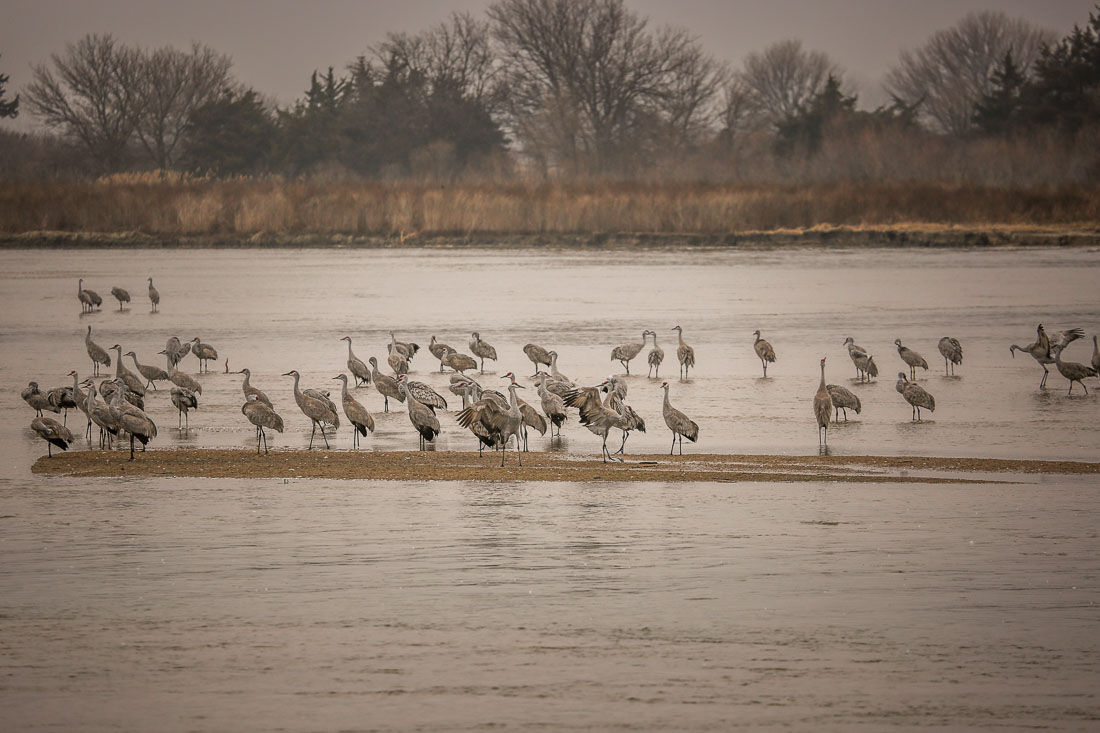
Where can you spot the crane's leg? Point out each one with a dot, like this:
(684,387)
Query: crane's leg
(324,436)
(1084,387)
(826,436)
(519,456)
(312,434)
(387,404)
(673,444)
(263,433)
(257,440)
(1068,393)
(131,446)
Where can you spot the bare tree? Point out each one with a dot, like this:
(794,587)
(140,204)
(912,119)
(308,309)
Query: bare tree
(779,82)
(952,71)
(171,84)
(89,96)
(585,75)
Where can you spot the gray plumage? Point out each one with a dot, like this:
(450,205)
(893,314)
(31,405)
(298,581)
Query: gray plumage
(251,392)
(684,353)
(89,299)
(656,356)
(37,399)
(108,388)
(318,410)
(843,399)
(499,423)
(154,295)
(406,349)
(440,350)
(359,370)
(96,352)
(53,432)
(101,415)
(397,361)
(823,409)
(952,352)
(1095,355)
(178,378)
(555,375)
(205,352)
(860,358)
(1071,370)
(1041,349)
(185,400)
(120,295)
(625,353)
(764,352)
(81,400)
(427,396)
(537,355)
(63,398)
(423,419)
(911,358)
(552,405)
(596,414)
(151,374)
(263,417)
(361,421)
(482,350)
(915,395)
(679,423)
(176,350)
(134,421)
(133,382)
(387,386)
(531,417)
(458,362)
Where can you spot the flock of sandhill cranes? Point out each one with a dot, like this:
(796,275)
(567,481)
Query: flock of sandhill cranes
(493,417)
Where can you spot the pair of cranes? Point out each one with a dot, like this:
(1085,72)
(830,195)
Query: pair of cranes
(1047,349)
(90,300)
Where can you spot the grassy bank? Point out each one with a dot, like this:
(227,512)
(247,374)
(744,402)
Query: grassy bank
(271,208)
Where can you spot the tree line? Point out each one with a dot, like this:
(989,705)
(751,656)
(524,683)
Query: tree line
(573,88)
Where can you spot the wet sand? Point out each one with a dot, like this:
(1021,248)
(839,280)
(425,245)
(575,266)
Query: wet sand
(468,466)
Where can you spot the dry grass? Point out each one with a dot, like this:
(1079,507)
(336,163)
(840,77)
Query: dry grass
(172,205)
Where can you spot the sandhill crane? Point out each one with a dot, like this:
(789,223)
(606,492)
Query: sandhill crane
(387,386)
(764,352)
(121,295)
(911,358)
(89,299)
(459,362)
(63,398)
(537,355)
(133,382)
(149,373)
(205,352)
(1041,349)
(440,350)
(426,396)
(423,419)
(470,396)
(176,350)
(952,352)
(96,352)
(684,353)
(38,400)
(597,415)
(843,399)
(397,361)
(178,378)
(1071,370)
(185,400)
(81,400)
(552,404)
(250,391)
(133,421)
(555,375)
(1095,355)
(108,387)
(531,416)
(458,386)
(358,369)
(679,423)
(656,356)
(501,424)
(406,349)
(617,385)
(263,417)
(625,353)
(631,420)
(361,421)
(858,355)
(154,296)
(315,409)
(482,350)
(102,416)
(915,395)
(53,432)
(823,409)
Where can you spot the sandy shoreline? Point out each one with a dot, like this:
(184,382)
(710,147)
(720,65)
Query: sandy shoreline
(463,466)
(916,234)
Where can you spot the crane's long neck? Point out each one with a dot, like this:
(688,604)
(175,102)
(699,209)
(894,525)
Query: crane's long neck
(246,385)
(136,362)
(118,362)
(681,335)
(351,355)
(345,391)
(297,392)
(88,336)
(1095,348)
(514,409)
(667,403)
(822,385)
(79,287)
(655,339)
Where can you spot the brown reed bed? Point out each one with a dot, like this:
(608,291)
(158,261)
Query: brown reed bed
(176,206)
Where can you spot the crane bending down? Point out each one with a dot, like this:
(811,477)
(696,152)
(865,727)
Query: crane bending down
(422,418)
(764,352)
(679,423)
(625,353)
(843,399)
(537,355)
(482,350)
(911,358)
(952,352)
(361,421)
(684,353)
(500,423)
(823,409)
(121,295)
(149,373)
(261,414)
(915,395)
(315,409)
(53,432)
(1072,371)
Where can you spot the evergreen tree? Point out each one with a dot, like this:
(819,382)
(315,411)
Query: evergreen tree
(998,112)
(231,136)
(7,109)
(1066,88)
(805,130)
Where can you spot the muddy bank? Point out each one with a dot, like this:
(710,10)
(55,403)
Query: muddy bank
(909,235)
(445,466)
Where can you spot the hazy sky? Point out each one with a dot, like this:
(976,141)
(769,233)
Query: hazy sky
(275,44)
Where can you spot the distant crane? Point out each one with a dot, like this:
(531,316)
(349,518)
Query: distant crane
(1071,370)
(53,432)
(263,417)
(482,350)
(251,392)
(537,355)
(361,421)
(1041,349)
(386,385)
(843,399)
(684,353)
(764,352)
(151,374)
(154,296)
(96,352)
(656,356)
(121,295)
(458,362)
(823,409)
(356,366)
(625,353)
(315,409)
(89,299)
(205,352)
(185,400)
(440,350)
(952,352)
(915,395)
(911,358)
(679,423)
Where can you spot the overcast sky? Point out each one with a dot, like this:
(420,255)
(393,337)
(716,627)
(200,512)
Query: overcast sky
(276,44)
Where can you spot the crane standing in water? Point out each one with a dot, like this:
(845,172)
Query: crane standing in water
(684,353)
(823,409)
(764,352)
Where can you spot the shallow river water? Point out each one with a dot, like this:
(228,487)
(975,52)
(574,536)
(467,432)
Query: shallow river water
(184,604)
